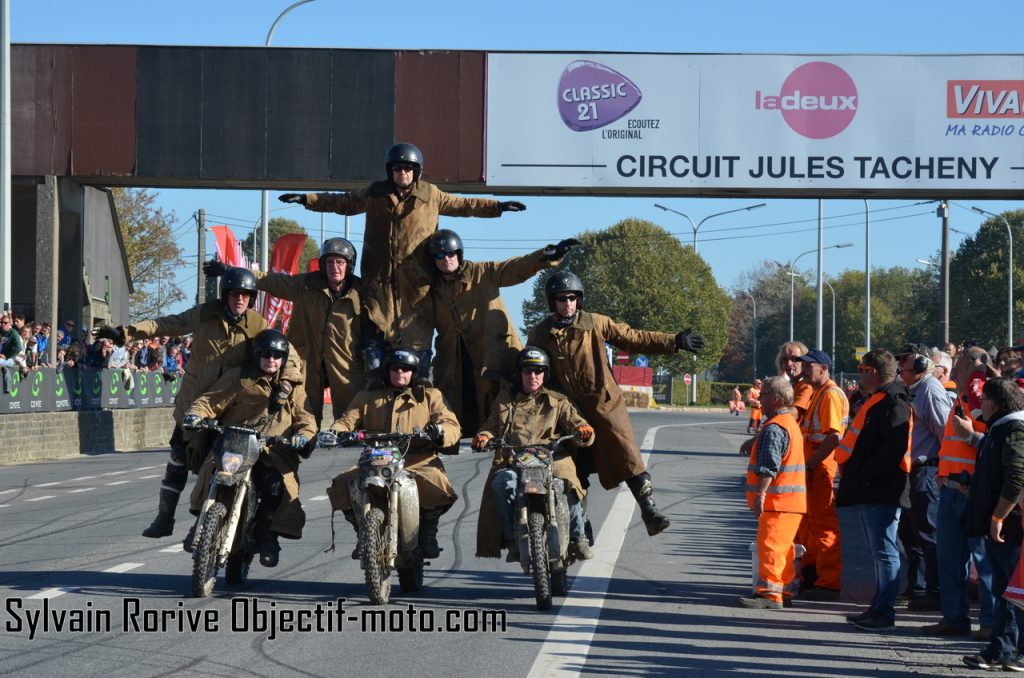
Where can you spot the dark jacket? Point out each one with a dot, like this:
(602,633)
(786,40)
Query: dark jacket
(873,475)
(999,473)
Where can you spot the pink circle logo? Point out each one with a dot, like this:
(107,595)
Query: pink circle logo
(818,100)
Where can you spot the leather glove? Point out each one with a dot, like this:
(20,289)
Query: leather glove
(584,433)
(307,451)
(297,198)
(327,439)
(279,396)
(299,441)
(556,252)
(115,334)
(214,268)
(688,341)
(191,422)
(480,441)
(435,432)
(511,206)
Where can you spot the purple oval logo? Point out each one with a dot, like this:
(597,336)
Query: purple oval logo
(591,95)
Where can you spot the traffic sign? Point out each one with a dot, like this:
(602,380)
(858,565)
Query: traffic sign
(859,351)
(622,357)
(641,361)
(687,379)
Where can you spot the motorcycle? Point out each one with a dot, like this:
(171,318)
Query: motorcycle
(224,530)
(541,517)
(387,509)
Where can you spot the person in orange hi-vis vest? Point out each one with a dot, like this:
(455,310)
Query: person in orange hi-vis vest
(955,550)
(874,456)
(754,402)
(823,425)
(777,495)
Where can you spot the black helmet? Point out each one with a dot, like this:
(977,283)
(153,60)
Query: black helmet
(338,247)
(445,240)
(240,279)
(531,356)
(402,355)
(269,341)
(563,281)
(404,154)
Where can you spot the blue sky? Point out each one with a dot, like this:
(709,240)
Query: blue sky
(789,226)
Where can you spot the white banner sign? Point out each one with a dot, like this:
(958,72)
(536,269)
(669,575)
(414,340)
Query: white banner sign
(756,122)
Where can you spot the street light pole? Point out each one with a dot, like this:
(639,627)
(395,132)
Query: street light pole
(867,277)
(832,289)
(753,333)
(710,216)
(792,263)
(1009,273)
(265,195)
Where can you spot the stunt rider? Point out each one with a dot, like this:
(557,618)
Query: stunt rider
(221,330)
(575,340)
(527,413)
(245,396)
(403,404)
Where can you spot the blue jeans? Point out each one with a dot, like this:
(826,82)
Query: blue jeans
(504,484)
(880,523)
(1008,617)
(955,551)
(917,532)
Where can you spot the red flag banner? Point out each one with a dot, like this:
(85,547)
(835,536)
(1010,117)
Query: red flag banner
(284,258)
(228,249)
(314,265)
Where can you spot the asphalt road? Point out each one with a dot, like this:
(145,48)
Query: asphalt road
(71,554)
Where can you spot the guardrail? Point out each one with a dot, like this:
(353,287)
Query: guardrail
(85,388)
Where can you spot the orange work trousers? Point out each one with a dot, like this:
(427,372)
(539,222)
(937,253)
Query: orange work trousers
(819,532)
(755,418)
(776,570)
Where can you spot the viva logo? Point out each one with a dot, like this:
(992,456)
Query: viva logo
(591,95)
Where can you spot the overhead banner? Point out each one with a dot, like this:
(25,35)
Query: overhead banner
(760,123)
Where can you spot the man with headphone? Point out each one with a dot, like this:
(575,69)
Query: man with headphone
(917,530)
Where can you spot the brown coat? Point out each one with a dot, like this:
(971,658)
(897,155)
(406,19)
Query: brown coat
(240,398)
(326,332)
(383,410)
(474,328)
(580,366)
(535,419)
(395,266)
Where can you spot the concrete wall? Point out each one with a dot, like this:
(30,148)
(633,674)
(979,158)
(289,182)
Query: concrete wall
(56,435)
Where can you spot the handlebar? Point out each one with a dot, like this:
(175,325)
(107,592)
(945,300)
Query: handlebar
(496,444)
(326,439)
(208,424)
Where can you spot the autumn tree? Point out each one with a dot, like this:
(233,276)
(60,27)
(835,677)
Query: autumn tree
(152,252)
(636,272)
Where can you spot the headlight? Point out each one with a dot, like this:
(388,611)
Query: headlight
(231,462)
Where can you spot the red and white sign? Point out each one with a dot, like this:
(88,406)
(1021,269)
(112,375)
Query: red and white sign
(621,357)
(687,379)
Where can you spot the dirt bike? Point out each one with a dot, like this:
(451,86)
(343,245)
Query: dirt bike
(224,528)
(387,508)
(541,517)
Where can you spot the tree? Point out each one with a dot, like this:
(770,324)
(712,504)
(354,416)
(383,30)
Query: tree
(636,272)
(153,255)
(978,284)
(768,283)
(277,227)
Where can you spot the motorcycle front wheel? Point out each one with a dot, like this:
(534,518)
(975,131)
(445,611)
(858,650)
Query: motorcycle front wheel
(378,577)
(204,555)
(539,559)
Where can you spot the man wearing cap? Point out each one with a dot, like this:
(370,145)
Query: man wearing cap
(917,526)
(823,426)
(754,403)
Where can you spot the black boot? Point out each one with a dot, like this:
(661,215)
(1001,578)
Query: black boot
(269,550)
(163,524)
(350,516)
(428,532)
(643,492)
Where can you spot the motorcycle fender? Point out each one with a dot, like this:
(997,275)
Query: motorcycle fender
(408,514)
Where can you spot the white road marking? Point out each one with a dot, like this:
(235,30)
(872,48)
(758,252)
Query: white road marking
(123,567)
(4,505)
(147,468)
(9,491)
(56,482)
(84,489)
(45,496)
(118,482)
(81,478)
(564,652)
(155,475)
(320,498)
(173,549)
(113,473)
(49,593)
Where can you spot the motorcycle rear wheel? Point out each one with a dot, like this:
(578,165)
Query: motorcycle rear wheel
(539,560)
(204,555)
(378,577)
